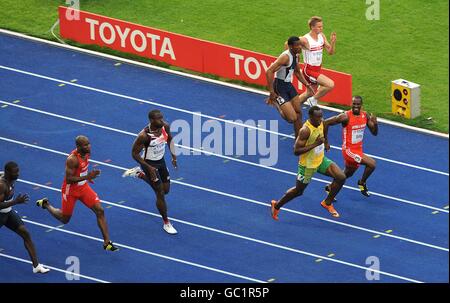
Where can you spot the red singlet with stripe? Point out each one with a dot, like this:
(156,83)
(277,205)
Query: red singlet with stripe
(82,170)
(353,133)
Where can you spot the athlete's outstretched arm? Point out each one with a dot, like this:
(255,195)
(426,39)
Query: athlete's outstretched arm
(282,60)
(330,47)
(372,123)
(300,143)
(302,79)
(304,43)
(138,146)
(171,145)
(341,118)
(5,204)
(71,168)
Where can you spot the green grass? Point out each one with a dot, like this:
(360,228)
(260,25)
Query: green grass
(410,40)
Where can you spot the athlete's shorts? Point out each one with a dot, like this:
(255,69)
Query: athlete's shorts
(311,73)
(85,194)
(352,158)
(11,220)
(161,171)
(285,91)
(305,174)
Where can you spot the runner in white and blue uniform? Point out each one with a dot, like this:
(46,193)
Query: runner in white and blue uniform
(279,75)
(148,150)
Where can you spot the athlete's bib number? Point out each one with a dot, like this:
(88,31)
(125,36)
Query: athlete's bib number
(319,57)
(357,135)
(319,149)
(157,151)
(82,174)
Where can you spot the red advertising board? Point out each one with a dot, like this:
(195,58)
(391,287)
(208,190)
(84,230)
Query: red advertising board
(183,51)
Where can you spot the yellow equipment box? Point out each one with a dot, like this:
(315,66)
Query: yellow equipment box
(405,98)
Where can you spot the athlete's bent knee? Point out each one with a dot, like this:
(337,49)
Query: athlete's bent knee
(291,118)
(348,174)
(65,219)
(23,232)
(331,85)
(160,193)
(298,192)
(340,178)
(373,164)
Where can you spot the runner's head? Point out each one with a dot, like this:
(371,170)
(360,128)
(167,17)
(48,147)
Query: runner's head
(356,104)
(294,44)
(11,171)
(315,115)
(315,24)
(156,118)
(83,145)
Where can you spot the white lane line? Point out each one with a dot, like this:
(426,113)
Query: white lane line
(198,77)
(54,268)
(236,197)
(250,201)
(220,156)
(225,272)
(149,252)
(239,198)
(200,115)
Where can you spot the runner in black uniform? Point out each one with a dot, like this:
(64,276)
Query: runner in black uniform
(10,218)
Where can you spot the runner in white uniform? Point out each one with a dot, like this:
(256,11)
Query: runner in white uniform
(148,150)
(312,48)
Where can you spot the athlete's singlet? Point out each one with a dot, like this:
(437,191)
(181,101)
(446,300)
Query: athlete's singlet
(82,171)
(156,147)
(353,133)
(314,157)
(313,56)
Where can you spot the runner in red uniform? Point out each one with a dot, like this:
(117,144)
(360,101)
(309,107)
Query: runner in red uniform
(354,123)
(313,44)
(75,187)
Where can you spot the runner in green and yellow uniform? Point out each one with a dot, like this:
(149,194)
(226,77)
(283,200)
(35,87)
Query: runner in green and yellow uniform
(309,145)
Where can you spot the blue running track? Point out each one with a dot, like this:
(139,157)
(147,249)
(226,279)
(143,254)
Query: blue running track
(220,205)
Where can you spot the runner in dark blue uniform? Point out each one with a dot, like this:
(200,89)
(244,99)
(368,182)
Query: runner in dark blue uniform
(283,95)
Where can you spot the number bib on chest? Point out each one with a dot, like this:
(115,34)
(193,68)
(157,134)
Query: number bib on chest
(357,135)
(319,149)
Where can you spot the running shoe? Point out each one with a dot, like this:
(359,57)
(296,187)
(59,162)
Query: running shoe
(42,202)
(135,172)
(273,210)
(363,188)
(110,246)
(40,269)
(330,209)
(170,229)
(311,101)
